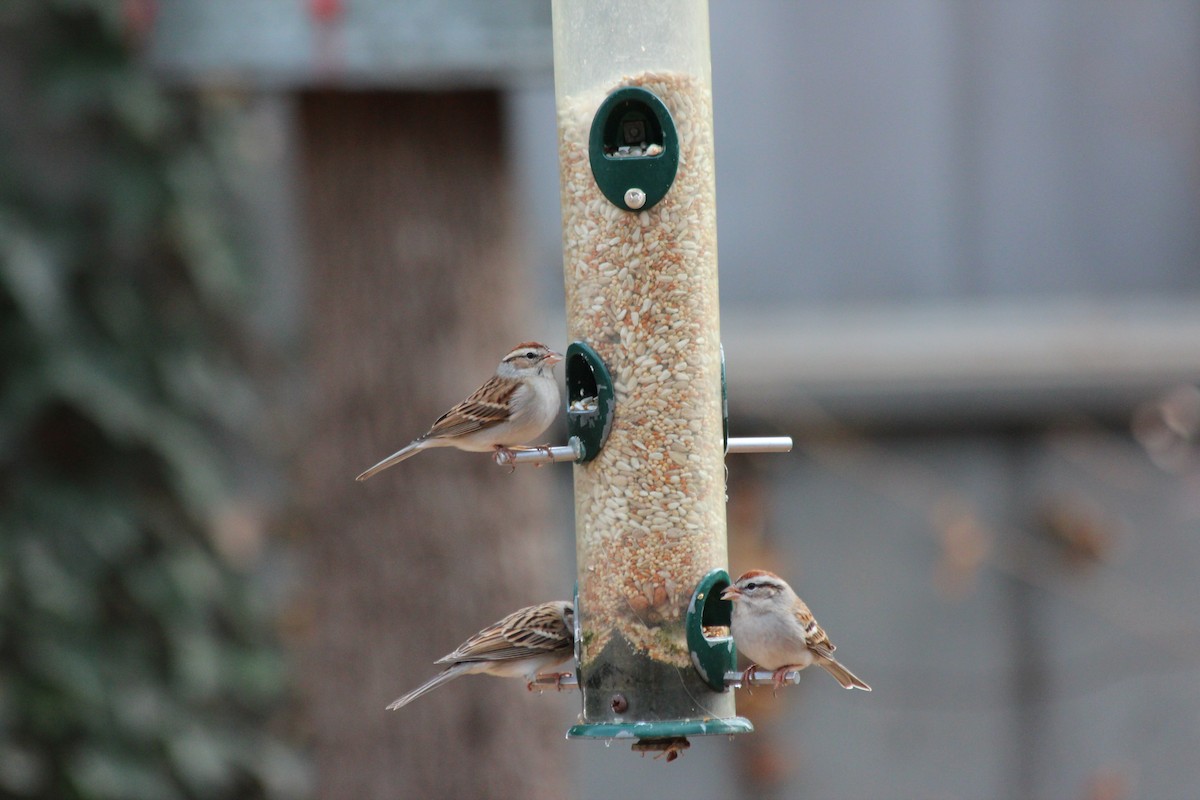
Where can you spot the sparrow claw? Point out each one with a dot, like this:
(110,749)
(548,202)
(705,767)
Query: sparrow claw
(777,678)
(558,679)
(504,455)
(746,678)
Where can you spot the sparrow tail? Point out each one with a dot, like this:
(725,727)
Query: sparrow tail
(395,458)
(448,674)
(845,677)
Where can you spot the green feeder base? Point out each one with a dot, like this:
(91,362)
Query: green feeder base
(666,729)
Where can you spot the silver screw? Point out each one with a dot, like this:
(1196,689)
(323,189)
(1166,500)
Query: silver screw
(635,198)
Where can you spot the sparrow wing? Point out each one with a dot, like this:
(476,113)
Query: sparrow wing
(814,635)
(487,406)
(531,631)
(543,629)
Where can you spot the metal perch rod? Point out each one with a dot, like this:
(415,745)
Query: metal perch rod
(568,452)
(760,677)
(760,444)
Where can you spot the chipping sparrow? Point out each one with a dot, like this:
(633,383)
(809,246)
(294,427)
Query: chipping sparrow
(524,644)
(775,629)
(516,404)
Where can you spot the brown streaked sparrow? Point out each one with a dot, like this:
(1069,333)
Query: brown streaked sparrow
(775,629)
(516,404)
(525,644)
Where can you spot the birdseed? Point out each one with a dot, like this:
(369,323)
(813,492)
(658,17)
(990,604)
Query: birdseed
(642,291)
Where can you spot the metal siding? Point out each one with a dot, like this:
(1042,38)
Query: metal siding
(281,44)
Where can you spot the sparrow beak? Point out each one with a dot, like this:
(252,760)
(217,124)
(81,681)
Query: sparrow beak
(553,358)
(731,593)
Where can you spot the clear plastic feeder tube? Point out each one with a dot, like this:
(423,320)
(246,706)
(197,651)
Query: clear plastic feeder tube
(641,290)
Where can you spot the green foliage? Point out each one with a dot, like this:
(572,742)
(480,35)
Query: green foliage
(135,660)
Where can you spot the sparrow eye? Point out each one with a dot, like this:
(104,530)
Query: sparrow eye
(751,585)
(531,354)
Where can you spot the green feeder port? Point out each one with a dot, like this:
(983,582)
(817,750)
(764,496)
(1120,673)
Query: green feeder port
(711,656)
(633,148)
(590,401)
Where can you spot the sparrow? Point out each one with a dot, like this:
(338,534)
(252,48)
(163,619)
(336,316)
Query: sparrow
(525,644)
(776,630)
(516,404)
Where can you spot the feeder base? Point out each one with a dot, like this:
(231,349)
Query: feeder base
(662,729)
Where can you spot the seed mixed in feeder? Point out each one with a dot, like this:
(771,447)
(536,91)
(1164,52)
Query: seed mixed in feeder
(642,291)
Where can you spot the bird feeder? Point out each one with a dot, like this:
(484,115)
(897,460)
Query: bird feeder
(634,102)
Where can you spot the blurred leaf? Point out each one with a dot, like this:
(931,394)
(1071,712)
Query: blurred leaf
(29,276)
(207,387)
(150,587)
(255,673)
(133,194)
(144,711)
(111,532)
(196,575)
(22,770)
(107,773)
(197,660)
(72,669)
(142,108)
(96,386)
(50,586)
(211,260)
(201,759)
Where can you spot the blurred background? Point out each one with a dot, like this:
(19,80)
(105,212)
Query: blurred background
(249,247)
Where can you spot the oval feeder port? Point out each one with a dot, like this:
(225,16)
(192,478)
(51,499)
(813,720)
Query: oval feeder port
(633,149)
(590,401)
(712,656)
